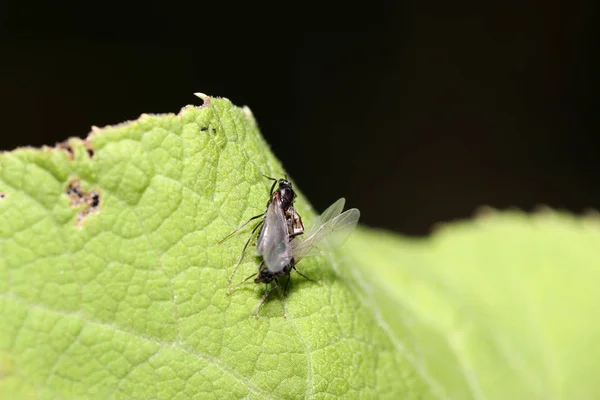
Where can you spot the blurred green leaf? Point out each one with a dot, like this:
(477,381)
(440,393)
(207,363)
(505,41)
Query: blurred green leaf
(112,284)
(500,307)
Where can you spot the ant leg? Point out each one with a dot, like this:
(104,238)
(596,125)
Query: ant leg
(231,289)
(283,297)
(260,268)
(240,227)
(237,264)
(293,235)
(264,297)
(302,275)
(285,287)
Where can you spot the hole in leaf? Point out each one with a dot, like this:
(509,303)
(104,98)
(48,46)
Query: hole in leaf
(78,196)
(89,149)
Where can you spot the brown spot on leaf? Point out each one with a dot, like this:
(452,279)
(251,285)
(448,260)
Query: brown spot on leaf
(78,196)
(2,195)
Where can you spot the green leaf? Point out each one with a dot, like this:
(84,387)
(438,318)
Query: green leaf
(112,284)
(501,307)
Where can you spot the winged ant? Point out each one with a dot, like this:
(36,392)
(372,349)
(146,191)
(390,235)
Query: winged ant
(279,227)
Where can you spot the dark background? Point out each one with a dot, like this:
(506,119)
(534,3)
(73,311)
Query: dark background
(415,112)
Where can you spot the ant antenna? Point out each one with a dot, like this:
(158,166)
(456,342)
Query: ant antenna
(274,182)
(268,177)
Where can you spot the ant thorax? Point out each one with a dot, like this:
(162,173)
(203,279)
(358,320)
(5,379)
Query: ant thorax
(294,222)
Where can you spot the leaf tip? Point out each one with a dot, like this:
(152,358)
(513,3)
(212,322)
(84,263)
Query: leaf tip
(205,98)
(248,112)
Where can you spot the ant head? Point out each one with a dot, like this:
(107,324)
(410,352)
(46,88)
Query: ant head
(287,193)
(284,184)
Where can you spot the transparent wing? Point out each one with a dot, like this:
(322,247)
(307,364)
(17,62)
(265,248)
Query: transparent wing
(273,241)
(331,212)
(330,234)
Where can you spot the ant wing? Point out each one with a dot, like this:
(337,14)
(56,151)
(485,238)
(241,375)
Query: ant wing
(331,212)
(332,233)
(273,241)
